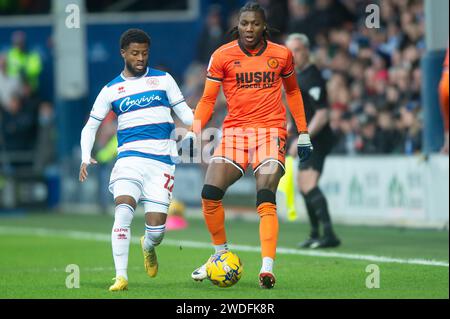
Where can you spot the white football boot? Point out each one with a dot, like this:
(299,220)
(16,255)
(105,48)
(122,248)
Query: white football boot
(200,274)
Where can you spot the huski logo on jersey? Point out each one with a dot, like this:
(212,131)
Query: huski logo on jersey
(256,80)
(144,101)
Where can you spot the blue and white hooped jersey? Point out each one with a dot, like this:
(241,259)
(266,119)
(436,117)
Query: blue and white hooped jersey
(143,107)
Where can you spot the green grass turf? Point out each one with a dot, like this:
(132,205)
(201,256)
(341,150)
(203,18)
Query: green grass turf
(34,266)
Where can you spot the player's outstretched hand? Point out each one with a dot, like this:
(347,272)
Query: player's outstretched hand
(83,170)
(304,147)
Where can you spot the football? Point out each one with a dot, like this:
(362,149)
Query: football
(224,270)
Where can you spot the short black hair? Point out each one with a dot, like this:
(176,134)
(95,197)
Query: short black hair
(134,36)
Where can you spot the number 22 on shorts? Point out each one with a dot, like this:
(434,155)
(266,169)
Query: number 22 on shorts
(169,183)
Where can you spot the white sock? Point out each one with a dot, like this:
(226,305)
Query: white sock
(153,236)
(221,247)
(267,265)
(121,238)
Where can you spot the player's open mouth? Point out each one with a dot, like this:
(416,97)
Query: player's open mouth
(249,38)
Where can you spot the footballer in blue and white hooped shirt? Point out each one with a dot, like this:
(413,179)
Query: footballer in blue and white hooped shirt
(142,99)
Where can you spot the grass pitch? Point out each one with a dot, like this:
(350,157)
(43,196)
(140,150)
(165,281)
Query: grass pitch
(37,248)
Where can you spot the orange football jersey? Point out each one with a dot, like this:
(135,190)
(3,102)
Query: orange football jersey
(251,82)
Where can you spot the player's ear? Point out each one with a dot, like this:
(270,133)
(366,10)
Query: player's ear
(122,53)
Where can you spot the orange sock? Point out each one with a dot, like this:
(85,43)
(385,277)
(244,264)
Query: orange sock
(215,220)
(268,229)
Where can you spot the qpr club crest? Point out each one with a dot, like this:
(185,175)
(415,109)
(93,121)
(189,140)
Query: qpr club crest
(152,82)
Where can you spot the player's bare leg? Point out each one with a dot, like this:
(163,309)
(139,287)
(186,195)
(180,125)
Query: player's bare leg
(219,176)
(121,237)
(155,227)
(268,176)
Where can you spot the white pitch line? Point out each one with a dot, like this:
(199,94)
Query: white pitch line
(78,235)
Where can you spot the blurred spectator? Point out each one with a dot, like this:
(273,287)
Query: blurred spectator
(346,137)
(212,35)
(23,63)
(369,138)
(10,86)
(276,13)
(389,137)
(44,150)
(300,19)
(412,128)
(18,126)
(193,83)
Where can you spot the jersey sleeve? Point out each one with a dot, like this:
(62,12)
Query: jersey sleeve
(215,68)
(102,105)
(288,69)
(173,92)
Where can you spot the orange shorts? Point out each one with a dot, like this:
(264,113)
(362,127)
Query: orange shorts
(244,146)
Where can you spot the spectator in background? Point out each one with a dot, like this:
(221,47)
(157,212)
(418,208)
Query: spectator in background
(300,18)
(44,150)
(389,138)
(212,35)
(23,63)
(276,11)
(346,137)
(10,86)
(193,83)
(369,138)
(411,128)
(18,126)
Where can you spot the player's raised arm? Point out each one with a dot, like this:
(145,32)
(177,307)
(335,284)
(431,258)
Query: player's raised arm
(99,111)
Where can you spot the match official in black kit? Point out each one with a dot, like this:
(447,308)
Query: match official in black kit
(314,94)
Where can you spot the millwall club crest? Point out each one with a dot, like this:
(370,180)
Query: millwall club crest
(152,82)
(272,63)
